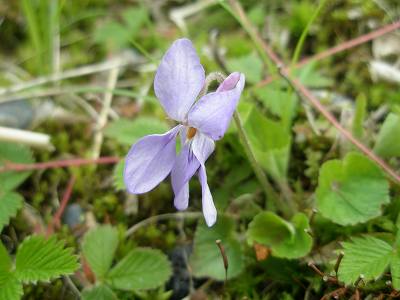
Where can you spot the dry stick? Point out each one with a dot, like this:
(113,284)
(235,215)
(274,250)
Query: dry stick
(55,222)
(26,137)
(81,71)
(339,48)
(102,120)
(75,162)
(306,94)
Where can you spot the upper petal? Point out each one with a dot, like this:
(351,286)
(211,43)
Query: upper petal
(149,161)
(186,164)
(213,112)
(179,79)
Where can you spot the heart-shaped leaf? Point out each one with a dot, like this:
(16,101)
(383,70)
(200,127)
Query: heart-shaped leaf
(351,191)
(288,240)
(390,131)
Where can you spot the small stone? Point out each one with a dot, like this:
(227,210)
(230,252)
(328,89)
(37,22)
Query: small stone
(16,114)
(73,215)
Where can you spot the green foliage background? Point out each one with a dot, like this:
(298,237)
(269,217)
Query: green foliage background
(124,246)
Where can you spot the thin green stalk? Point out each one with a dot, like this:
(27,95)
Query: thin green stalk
(300,42)
(144,51)
(288,210)
(271,67)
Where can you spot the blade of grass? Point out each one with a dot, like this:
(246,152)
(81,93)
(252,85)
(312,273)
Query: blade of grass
(33,28)
(73,90)
(54,35)
(268,62)
(300,42)
(144,52)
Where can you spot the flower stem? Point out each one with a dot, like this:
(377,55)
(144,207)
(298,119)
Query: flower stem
(269,191)
(288,208)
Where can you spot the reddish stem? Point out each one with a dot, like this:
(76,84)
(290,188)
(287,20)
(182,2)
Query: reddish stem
(306,93)
(9,166)
(56,221)
(339,48)
(315,102)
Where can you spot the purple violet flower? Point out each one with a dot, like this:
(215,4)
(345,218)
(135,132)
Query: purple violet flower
(178,82)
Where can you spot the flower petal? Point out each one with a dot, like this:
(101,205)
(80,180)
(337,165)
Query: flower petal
(213,112)
(149,161)
(186,164)
(179,79)
(202,147)
(209,210)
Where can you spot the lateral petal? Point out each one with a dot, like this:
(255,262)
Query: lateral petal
(149,161)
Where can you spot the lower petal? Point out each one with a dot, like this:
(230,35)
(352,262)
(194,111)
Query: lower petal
(202,147)
(149,161)
(181,200)
(209,210)
(186,164)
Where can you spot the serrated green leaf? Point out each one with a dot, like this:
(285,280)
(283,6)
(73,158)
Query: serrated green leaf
(351,191)
(140,269)
(367,255)
(10,203)
(118,175)
(5,260)
(43,259)
(10,287)
(287,240)
(134,18)
(386,145)
(269,229)
(271,143)
(15,153)
(98,247)
(99,292)
(279,102)
(128,132)
(310,76)
(206,260)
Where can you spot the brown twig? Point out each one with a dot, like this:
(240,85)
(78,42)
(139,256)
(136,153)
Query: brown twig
(56,221)
(74,162)
(336,49)
(307,95)
(224,258)
(338,261)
